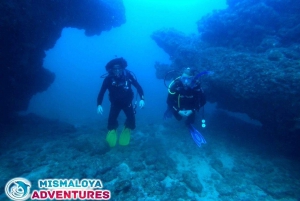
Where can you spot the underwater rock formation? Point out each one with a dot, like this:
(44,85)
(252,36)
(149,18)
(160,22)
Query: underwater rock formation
(28,28)
(254,53)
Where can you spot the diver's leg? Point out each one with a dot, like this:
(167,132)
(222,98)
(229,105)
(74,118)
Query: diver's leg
(129,125)
(113,115)
(130,117)
(112,126)
(191,119)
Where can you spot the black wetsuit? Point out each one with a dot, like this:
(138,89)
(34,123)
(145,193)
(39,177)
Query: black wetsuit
(185,98)
(120,96)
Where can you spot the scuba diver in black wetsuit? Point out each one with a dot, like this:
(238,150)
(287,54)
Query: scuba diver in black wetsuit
(185,97)
(118,82)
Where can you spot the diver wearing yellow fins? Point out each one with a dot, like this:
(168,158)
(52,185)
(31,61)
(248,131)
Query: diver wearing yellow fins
(118,81)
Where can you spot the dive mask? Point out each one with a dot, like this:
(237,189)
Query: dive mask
(186,80)
(117,70)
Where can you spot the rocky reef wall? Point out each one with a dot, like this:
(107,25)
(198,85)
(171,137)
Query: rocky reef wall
(30,27)
(253,49)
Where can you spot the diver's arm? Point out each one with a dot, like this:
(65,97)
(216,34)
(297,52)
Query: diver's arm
(102,91)
(139,90)
(200,99)
(172,99)
(138,87)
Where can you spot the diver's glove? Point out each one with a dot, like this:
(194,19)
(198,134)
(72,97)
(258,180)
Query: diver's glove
(188,112)
(100,109)
(142,103)
(185,113)
(182,113)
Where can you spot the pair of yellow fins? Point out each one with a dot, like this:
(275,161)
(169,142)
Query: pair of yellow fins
(124,139)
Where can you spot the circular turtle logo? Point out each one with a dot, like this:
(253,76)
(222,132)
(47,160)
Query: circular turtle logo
(18,189)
